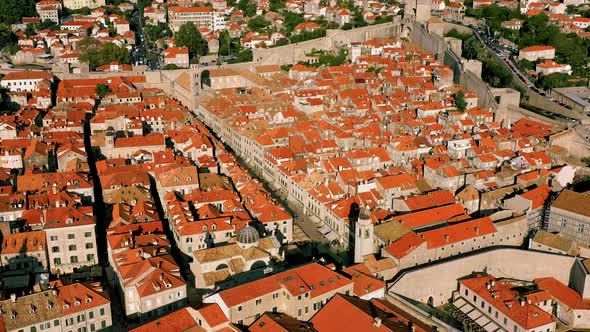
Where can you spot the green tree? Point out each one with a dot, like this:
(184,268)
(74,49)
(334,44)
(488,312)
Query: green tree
(357,18)
(30,30)
(292,20)
(102,90)
(7,37)
(224,43)
(460,102)
(528,65)
(555,80)
(258,24)
(97,54)
(12,11)
(47,24)
(276,5)
(247,7)
(170,66)
(189,36)
(456,34)
(471,48)
(157,31)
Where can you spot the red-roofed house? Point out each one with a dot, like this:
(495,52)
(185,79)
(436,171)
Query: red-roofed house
(511,310)
(534,53)
(532,203)
(177,56)
(299,292)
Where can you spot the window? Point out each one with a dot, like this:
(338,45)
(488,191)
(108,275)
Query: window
(496,315)
(90,257)
(505,321)
(274,309)
(92,327)
(55,249)
(73,259)
(57,261)
(56,322)
(466,292)
(90,314)
(53,238)
(71,236)
(102,311)
(89,245)
(258,301)
(103,324)
(72,247)
(240,308)
(87,234)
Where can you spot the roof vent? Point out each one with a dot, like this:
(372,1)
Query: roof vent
(377,322)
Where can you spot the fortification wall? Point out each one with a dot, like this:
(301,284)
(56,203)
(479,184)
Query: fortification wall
(334,40)
(440,280)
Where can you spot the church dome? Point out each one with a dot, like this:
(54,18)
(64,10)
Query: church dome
(248,237)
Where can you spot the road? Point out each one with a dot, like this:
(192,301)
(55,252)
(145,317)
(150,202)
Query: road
(504,55)
(142,50)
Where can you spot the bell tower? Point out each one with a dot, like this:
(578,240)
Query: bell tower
(364,239)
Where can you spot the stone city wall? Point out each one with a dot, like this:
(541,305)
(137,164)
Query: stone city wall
(440,279)
(334,40)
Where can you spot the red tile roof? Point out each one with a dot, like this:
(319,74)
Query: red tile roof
(505,298)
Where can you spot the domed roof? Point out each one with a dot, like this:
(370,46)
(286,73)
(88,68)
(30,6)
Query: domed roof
(248,235)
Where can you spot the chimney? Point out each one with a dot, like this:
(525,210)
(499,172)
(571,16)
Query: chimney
(13,297)
(377,322)
(446,238)
(522,302)
(476,230)
(493,283)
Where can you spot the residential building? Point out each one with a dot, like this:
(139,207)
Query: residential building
(513,24)
(549,67)
(24,252)
(74,307)
(199,16)
(149,281)
(208,318)
(299,292)
(71,238)
(26,81)
(570,216)
(503,303)
(533,53)
(48,10)
(77,4)
(177,56)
